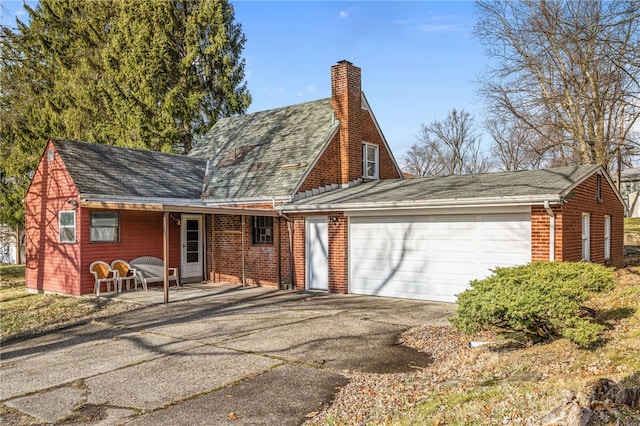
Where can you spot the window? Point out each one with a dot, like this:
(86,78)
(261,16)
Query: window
(370,161)
(607,237)
(586,238)
(262,229)
(67,227)
(105,227)
(599,188)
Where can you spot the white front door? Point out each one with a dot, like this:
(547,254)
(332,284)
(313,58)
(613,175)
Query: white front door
(317,253)
(586,236)
(191,243)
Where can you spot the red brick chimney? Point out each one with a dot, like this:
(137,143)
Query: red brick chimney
(346,99)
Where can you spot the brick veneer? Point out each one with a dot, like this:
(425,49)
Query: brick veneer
(568,239)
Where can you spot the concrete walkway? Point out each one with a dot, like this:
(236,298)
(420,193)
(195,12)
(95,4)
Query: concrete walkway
(225,355)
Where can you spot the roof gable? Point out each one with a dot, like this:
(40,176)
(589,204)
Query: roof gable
(264,154)
(112,171)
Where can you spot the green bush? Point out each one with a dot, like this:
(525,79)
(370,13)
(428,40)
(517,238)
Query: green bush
(539,301)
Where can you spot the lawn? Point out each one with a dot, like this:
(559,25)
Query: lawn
(25,313)
(632,224)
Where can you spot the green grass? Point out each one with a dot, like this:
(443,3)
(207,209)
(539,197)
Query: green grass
(632,224)
(11,275)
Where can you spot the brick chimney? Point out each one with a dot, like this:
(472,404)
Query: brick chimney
(346,99)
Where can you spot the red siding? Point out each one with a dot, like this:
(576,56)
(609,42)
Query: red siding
(50,266)
(140,235)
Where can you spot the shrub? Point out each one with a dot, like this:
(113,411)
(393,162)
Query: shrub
(540,300)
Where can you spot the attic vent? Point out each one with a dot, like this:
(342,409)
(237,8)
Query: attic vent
(50,154)
(294,166)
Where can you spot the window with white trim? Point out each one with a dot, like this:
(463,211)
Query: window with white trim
(607,237)
(67,226)
(370,161)
(105,227)
(586,236)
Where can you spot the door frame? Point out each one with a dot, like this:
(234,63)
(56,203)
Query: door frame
(313,220)
(183,247)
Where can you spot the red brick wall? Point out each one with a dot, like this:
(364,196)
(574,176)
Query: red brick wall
(265,264)
(341,162)
(51,266)
(327,170)
(540,233)
(583,199)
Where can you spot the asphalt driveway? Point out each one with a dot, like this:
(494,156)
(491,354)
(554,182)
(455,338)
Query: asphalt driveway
(238,356)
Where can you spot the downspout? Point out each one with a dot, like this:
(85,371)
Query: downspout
(244,270)
(552,231)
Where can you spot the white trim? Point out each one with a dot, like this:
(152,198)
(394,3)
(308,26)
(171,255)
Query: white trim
(600,170)
(442,211)
(424,204)
(75,227)
(183,246)
(366,160)
(586,236)
(607,237)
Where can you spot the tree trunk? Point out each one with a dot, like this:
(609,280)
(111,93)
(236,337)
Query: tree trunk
(18,247)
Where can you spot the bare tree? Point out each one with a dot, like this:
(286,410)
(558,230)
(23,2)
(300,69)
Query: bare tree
(568,70)
(515,147)
(422,160)
(447,147)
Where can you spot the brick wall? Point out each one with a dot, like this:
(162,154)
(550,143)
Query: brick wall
(540,233)
(265,264)
(583,199)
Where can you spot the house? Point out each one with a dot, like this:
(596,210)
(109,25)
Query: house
(630,190)
(307,196)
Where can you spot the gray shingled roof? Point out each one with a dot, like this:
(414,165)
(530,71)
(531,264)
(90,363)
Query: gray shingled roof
(264,154)
(106,170)
(505,185)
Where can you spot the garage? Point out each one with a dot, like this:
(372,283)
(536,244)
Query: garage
(433,257)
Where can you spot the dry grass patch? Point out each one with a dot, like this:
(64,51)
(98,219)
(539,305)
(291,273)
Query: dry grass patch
(502,383)
(25,313)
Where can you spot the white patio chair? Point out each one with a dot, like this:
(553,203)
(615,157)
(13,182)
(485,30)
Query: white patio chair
(103,273)
(125,273)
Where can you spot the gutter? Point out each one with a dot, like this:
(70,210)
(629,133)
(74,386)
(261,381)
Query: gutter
(552,231)
(422,204)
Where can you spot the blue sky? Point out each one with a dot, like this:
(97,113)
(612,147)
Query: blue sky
(418,58)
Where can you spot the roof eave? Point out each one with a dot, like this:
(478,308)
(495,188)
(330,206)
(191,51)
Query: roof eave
(425,204)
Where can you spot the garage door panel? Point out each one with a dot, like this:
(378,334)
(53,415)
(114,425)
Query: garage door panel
(433,257)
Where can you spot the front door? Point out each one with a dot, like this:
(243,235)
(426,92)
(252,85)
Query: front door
(192,247)
(317,253)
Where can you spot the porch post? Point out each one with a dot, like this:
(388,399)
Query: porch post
(165,255)
(244,278)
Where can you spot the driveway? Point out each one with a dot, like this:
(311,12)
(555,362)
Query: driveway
(237,356)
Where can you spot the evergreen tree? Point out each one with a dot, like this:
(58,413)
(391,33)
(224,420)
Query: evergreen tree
(154,74)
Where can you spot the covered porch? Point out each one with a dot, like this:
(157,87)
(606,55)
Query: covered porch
(186,236)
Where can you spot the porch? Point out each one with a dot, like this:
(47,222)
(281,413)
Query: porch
(189,292)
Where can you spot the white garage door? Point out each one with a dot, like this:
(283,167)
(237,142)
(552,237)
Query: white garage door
(433,257)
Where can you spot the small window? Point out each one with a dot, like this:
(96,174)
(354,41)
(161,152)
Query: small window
(599,188)
(262,229)
(67,226)
(607,237)
(105,227)
(370,161)
(586,236)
